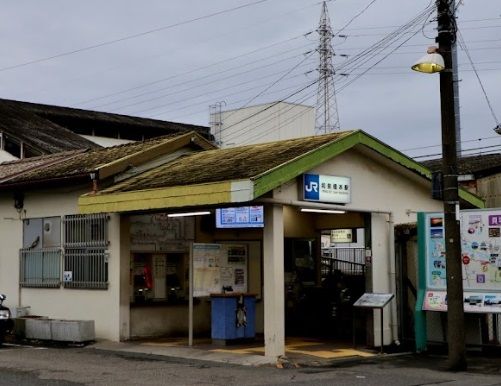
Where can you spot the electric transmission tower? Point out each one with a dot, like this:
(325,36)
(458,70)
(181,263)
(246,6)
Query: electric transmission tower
(326,114)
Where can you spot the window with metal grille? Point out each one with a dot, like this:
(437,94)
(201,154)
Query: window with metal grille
(40,257)
(40,267)
(85,251)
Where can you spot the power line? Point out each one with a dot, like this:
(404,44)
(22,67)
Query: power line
(464,150)
(191,71)
(208,83)
(465,49)
(194,80)
(110,42)
(226,96)
(308,56)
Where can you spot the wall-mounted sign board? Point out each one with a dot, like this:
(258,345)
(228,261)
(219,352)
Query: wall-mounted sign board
(322,188)
(341,236)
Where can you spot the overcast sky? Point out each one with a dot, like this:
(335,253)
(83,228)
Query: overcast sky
(171,59)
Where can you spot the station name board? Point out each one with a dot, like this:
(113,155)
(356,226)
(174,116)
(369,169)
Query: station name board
(323,188)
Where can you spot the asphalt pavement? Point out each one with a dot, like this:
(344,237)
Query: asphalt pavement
(36,365)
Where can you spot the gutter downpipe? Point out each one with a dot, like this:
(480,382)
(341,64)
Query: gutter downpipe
(391,247)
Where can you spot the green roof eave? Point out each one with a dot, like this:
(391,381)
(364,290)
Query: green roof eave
(471,198)
(275,177)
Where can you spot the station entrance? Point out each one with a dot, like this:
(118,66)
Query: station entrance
(322,281)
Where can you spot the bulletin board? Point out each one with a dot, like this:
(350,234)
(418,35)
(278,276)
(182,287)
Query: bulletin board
(219,265)
(480,259)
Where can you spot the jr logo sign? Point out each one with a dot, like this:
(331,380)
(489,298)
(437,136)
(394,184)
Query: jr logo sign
(311,187)
(324,188)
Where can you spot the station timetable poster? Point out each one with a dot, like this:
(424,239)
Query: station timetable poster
(219,265)
(480,258)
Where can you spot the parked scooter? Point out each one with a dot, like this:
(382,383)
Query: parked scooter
(6,323)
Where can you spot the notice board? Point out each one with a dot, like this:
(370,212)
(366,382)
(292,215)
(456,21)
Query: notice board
(219,265)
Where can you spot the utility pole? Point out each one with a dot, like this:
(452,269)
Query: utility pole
(326,114)
(455,311)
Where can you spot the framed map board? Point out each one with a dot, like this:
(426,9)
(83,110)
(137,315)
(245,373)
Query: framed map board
(480,231)
(480,250)
(219,265)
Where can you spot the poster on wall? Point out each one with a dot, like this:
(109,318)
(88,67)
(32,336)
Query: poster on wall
(476,302)
(158,232)
(480,259)
(219,265)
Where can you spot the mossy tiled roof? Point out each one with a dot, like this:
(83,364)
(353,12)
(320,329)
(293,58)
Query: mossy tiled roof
(13,169)
(226,164)
(239,174)
(72,164)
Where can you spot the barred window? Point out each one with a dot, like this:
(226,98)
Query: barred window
(40,257)
(40,268)
(85,230)
(85,251)
(86,268)
(83,255)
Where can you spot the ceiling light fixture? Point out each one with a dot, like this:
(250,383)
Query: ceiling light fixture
(323,211)
(186,214)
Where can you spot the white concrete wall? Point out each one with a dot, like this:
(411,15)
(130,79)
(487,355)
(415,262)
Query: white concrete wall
(102,306)
(249,125)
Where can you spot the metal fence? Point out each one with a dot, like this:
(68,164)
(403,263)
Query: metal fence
(350,261)
(40,268)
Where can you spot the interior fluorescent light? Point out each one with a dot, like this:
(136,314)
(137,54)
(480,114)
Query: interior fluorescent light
(325,211)
(187,214)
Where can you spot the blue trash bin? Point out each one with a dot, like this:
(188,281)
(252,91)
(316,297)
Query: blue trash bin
(233,317)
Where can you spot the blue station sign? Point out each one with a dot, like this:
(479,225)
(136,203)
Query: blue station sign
(323,188)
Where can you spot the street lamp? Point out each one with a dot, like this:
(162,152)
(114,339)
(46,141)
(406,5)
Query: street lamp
(430,63)
(440,60)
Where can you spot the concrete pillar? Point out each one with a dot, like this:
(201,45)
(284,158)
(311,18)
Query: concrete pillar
(380,273)
(114,263)
(273,272)
(125,285)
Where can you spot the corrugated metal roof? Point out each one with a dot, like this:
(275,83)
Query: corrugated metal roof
(40,134)
(50,129)
(226,164)
(73,119)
